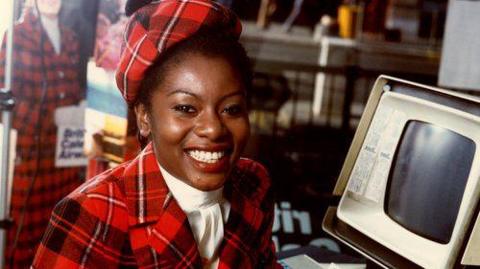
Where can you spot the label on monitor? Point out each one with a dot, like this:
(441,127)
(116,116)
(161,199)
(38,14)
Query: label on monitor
(391,135)
(370,173)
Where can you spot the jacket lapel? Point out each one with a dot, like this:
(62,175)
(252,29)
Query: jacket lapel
(151,208)
(167,236)
(172,238)
(240,231)
(145,189)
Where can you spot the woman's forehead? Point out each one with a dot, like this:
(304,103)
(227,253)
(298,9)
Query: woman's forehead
(196,67)
(202,76)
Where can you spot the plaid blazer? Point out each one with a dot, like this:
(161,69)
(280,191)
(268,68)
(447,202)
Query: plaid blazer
(127,218)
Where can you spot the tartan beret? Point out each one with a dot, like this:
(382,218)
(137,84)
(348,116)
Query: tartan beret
(159,25)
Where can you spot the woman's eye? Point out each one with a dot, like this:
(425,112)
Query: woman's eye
(185,109)
(234,110)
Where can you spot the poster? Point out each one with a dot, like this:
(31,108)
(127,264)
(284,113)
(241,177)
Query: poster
(107,112)
(111,22)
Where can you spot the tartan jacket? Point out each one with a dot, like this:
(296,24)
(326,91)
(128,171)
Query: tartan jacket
(127,218)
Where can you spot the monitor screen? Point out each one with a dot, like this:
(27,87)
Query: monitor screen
(427,179)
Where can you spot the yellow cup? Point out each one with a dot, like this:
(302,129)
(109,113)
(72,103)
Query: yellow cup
(347,18)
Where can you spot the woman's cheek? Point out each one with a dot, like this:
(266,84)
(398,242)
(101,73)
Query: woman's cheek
(173,130)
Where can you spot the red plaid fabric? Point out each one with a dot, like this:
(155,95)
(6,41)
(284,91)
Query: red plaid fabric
(158,26)
(126,218)
(52,184)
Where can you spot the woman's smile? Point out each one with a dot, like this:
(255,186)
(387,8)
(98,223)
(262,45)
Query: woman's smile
(206,156)
(208,164)
(210,159)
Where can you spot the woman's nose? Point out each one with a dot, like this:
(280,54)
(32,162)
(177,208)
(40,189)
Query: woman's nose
(210,125)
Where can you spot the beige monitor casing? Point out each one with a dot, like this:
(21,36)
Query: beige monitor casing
(351,222)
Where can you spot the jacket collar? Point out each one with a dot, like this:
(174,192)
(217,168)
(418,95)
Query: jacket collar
(145,190)
(31,21)
(241,234)
(149,202)
(147,194)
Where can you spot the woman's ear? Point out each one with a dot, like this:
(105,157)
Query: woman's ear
(143,120)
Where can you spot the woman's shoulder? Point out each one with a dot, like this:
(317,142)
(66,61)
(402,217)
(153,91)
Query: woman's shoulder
(94,213)
(100,190)
(252,179)
(249,166)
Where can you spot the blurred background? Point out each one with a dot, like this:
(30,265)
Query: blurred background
(315,62)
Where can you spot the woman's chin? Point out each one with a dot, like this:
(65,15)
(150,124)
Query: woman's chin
(207,182)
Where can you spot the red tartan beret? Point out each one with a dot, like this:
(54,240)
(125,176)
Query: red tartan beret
(159,25)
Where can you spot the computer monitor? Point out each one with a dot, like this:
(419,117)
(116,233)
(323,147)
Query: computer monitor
(410,185)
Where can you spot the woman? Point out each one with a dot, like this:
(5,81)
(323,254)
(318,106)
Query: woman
(187,200)
(45,78)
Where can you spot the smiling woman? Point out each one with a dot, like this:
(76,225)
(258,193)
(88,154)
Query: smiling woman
(200,118)
(188,200)
(199,114)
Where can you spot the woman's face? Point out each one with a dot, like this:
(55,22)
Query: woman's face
(198,120)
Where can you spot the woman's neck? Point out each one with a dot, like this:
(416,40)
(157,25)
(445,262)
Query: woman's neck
(188,197)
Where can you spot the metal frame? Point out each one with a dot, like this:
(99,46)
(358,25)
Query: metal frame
(6,106)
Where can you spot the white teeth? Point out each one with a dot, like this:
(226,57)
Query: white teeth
(206,156)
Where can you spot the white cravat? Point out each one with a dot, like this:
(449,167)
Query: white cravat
(207,212)
(53,32)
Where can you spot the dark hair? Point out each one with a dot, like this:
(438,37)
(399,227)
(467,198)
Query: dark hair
(209,42)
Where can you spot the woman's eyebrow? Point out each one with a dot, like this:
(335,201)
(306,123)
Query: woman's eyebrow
(238,92)
(180,91)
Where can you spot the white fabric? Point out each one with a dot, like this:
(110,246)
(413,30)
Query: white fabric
(207,212)
(459,66)
(53,32)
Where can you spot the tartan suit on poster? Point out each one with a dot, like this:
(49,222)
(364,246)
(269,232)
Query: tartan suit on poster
(126,218)
(52,184)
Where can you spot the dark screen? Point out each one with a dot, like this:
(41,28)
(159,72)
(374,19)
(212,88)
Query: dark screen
(427,179)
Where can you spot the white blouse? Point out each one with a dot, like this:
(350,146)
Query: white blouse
(53,32)
(207,212)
